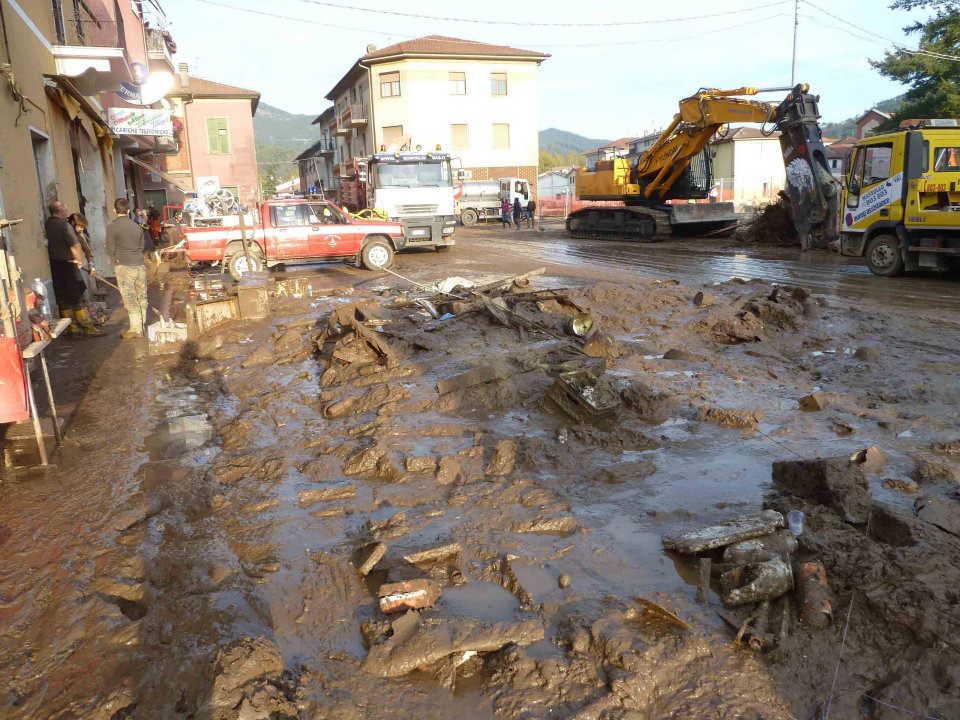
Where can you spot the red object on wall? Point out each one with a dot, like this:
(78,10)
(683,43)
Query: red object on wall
(14,402)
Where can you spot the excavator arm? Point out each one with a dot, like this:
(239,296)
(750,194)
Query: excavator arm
(700,118)
(677,167)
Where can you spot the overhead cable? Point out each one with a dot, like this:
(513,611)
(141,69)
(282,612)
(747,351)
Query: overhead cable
(531,23)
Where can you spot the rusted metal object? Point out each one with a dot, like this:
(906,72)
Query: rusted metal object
(814,595)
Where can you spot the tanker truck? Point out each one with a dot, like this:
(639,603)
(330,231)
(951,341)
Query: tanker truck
(480,199)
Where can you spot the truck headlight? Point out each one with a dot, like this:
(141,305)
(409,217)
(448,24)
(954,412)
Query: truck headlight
(449,230)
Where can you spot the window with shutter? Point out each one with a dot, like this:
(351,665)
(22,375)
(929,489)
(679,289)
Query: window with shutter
(392,134)
(498,83)
(389,84)
(458,83)
(218,136)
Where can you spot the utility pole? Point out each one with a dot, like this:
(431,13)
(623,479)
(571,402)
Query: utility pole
(796,25)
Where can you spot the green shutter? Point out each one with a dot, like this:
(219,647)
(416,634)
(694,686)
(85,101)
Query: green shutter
(218,137)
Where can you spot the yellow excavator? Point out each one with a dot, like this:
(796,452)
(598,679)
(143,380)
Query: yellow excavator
(678,168)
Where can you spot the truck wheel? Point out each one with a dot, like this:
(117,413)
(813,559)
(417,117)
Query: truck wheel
(884,257)
(237,263)
(469,217)
(376,254)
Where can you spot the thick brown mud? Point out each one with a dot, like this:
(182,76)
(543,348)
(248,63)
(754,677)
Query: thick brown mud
(225,526)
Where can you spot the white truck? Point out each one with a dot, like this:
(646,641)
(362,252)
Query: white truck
(415,189)
(480,199)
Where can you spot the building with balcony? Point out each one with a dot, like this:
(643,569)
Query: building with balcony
(62,65)
(319,164)
(477,101)
(213,143)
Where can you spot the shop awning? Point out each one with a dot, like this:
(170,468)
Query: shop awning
(169,178)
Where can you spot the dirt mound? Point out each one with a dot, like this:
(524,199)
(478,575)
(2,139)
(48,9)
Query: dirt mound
(773,225)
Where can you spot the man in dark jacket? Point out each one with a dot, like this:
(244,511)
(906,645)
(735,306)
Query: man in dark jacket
(66,257)
(125,248)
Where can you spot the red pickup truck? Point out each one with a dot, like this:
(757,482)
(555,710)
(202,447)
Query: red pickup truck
(296,230)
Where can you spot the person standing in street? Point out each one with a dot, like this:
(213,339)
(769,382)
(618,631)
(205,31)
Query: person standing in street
(66,258)
(517,212)
(505,212)
(125,248)
(531,211)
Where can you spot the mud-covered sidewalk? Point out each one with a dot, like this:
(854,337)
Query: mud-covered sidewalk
(240,531)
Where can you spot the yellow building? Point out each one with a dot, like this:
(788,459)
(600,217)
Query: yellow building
(479,102)
(61,64)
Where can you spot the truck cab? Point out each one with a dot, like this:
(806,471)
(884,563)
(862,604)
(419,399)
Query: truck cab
(416,190)
(901,199)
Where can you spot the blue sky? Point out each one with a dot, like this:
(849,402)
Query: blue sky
(626,83)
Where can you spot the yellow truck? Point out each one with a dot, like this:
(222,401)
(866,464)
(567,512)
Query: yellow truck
(901,200)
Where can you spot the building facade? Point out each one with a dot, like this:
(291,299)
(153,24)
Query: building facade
(479,102)
(557,183)
(61,65)
(318,163)
(747,167)
(213,142)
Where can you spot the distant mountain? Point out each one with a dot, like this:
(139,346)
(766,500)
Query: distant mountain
(846,128)
(274,126)
(562,142)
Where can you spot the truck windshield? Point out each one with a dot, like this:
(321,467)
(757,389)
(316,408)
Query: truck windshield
(412,174)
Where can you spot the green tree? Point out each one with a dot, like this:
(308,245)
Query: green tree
(275,165)
(932,74)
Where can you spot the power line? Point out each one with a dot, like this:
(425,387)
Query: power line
(658,40)
(523,23)
(309,21)
(545,45)
(898,46)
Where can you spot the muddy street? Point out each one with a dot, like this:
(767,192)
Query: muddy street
(388,501)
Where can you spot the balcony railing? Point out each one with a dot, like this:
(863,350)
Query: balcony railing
(327,147)
(340,128)
(160,45)
(356,116)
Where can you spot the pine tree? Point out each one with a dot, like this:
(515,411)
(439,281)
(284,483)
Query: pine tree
(934,81)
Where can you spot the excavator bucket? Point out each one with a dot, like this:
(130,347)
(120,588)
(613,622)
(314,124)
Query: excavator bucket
(813,193)
(692,219)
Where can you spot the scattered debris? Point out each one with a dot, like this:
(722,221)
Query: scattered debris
(813,594)
(777,545)
(421,642)
(563,581)
(814,402)
(737,419)
(764,581)
(408,595)
(725,533)
(367,557)
(907,486)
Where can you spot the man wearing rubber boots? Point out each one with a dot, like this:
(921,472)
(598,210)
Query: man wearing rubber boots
(125,248)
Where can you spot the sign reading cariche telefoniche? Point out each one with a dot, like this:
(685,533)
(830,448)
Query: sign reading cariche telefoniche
(124,121)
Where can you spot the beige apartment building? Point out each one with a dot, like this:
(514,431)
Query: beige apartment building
(476,101)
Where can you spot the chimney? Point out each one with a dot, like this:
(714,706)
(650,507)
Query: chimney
(184,76)
(371,48)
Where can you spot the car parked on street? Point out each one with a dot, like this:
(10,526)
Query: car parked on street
(295,230)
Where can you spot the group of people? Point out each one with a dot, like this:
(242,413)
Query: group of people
(131,239)
(517,212)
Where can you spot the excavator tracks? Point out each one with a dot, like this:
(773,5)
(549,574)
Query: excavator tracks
(619,223)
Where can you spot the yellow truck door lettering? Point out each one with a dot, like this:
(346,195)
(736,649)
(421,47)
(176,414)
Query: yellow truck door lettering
(875,199)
